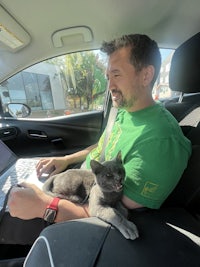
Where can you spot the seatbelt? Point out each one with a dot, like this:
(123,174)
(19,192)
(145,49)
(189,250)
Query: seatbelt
(110,123)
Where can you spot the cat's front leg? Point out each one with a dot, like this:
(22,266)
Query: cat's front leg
(122,209)
(115,218)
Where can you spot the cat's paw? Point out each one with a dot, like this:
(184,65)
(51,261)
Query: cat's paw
(129,231)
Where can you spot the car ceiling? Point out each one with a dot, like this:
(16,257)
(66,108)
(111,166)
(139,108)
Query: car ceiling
(84,24)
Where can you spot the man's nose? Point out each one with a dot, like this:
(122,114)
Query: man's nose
(111,85)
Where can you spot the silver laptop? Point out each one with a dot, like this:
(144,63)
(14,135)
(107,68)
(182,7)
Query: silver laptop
(14,170)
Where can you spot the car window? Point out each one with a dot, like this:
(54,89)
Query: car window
(59,86)
(69,84)
(161,90)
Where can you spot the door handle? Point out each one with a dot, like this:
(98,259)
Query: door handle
(37,134)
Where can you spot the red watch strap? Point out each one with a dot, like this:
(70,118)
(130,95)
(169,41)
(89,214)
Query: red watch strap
(54,204)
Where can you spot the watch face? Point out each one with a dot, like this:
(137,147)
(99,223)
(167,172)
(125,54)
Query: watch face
(50,215)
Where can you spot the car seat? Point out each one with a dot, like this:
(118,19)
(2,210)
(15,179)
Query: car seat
(184,77)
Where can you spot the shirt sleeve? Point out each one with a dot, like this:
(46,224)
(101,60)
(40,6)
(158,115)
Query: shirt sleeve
(153,168)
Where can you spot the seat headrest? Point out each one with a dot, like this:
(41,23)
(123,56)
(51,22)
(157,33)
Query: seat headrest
(184,75)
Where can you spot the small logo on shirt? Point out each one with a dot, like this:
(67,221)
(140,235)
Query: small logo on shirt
(149,189)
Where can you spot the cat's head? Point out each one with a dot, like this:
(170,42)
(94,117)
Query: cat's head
(109,174)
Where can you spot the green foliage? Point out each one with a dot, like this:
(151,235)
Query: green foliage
(83,74)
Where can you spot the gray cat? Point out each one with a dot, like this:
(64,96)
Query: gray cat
(102,188)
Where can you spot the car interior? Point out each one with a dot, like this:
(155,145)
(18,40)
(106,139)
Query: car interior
(174,229)
(31,33)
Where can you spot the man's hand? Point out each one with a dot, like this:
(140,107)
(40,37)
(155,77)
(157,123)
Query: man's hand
(27,201)
(51,166)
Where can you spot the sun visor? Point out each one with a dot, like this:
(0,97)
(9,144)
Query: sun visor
(13,37)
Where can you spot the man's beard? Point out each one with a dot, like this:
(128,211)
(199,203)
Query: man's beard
(119,101)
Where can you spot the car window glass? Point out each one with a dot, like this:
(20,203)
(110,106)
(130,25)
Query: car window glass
(161,90)
(69,84)
(59,86)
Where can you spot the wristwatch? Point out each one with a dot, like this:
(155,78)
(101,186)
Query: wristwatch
(51,211)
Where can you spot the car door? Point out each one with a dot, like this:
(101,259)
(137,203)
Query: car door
(58,136)
(66,115)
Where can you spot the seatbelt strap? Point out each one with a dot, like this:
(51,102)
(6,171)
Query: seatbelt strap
(110,123)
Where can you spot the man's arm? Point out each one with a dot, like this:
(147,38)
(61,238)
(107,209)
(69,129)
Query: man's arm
(70,211)
(130,204)
(54,165)
(28,202)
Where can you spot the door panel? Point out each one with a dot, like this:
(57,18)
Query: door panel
(51,137)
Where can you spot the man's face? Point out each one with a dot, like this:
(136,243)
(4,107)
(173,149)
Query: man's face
(124,82)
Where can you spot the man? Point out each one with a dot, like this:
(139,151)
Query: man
(154,150)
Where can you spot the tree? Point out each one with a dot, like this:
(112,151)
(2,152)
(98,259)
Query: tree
(83,75)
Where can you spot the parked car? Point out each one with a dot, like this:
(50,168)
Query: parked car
(48,50)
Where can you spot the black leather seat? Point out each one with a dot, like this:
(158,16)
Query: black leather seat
(184,77)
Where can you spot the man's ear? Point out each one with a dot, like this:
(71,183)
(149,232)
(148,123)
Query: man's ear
(148,74)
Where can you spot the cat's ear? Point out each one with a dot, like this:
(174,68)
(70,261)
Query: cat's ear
(96,166)
(119,156)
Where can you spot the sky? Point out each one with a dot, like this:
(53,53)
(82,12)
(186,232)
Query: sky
(165,53)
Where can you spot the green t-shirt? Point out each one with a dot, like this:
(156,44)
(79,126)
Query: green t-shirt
(154,152)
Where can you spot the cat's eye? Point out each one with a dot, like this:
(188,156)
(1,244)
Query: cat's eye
(109,175)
